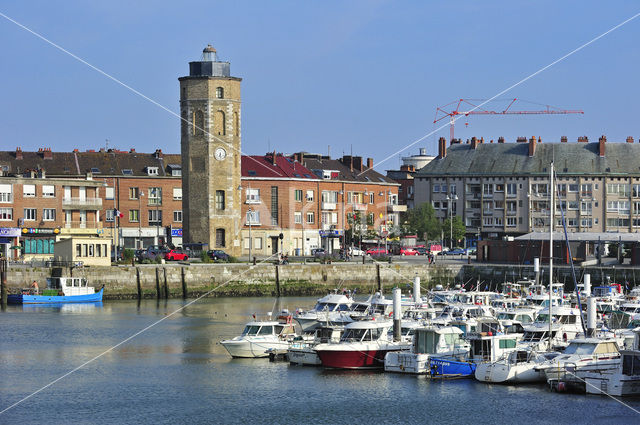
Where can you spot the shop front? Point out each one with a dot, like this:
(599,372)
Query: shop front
(10,242)
(37,243)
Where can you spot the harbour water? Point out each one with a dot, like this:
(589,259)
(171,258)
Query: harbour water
(176,372)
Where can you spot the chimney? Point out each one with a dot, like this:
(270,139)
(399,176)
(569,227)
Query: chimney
(481,140)
(76,150)
(442,147)
(132,150)
(601,145)
(423,151)
(583,139)
(369,162)
(629,139)
(357,163)
(501,139)
(474,143)
(47,154)
(19,153)
(563,139)
(532,146)
(158,154)
(521,140)
(273,158)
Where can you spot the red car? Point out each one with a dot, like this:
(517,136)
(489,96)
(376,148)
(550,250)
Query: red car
(408,251)
(376,251)
(175,255)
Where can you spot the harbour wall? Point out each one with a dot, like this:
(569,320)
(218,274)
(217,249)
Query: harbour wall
(190,280)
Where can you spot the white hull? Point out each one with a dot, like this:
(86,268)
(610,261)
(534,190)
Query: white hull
(253,347)
(570,372)
(614,384)
(406,362)
(502,373)
(303,356)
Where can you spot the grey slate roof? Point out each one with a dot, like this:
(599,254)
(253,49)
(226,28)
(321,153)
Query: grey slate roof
(513,159)
(368,175)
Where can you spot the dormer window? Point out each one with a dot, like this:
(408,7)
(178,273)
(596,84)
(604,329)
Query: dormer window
(219,93)
(176,170)
(152,171)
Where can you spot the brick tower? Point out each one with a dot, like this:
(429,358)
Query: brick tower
(210,145)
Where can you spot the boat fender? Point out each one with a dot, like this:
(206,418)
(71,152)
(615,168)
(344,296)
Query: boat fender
(564,337)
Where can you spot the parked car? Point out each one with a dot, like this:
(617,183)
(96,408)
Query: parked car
(175,255)
(377,251)
(138,253)
(408,251)
(421,250)
(354,252)
(318,252)
(154,252)
(455,251)
(217,254)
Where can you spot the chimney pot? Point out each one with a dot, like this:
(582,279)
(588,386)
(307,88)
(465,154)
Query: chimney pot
(602,145)
(442,147)
(501,139)
(629,139)
(532,146)
(369,162)
(563,139)
(19,153)
(47,154)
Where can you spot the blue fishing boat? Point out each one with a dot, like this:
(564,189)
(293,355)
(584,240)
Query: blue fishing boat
(59,290)
(444,368)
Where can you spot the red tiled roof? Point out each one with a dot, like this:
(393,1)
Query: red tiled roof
(286,167)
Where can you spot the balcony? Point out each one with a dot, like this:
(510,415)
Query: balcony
(252,200)
(329,206)
(81,203)
(359,207)
(512,212)
(396,208)
(487,212)
(83,225)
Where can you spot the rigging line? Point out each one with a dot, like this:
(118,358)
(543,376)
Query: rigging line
(117,81)
(603,392)
(577,49)
(131,337)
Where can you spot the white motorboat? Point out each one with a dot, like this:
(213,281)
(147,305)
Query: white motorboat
(565,326)
(431,341)
(302,351)
(624,380)
(363,345)
(259,338)
(515,367)
(582,355)
(330,310)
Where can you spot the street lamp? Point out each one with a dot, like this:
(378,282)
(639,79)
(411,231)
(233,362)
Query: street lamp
(450,199)
(250,219)
(140,195)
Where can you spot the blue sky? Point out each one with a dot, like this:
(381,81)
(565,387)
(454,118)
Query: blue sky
(361,75)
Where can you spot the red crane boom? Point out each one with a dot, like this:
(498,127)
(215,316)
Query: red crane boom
(442,113)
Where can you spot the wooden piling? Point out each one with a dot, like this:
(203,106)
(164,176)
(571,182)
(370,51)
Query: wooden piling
(184,283)
(158,294)
(3,283)
(277,281)
(138,283)
(166,285)
(378,278)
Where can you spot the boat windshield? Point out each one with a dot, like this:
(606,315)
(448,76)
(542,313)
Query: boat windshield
(506,316)
(533,336)
(629,309)
(524,318)
(355,335)
(250,330)
(426,342)
(360,308)
(325,306)
(580,348)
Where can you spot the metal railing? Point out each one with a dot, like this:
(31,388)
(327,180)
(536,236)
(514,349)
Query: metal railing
(82,202)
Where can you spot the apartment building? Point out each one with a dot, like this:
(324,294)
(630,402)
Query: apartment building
(502,189)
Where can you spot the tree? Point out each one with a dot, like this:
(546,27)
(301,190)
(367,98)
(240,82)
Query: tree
(423,222)
(459,229)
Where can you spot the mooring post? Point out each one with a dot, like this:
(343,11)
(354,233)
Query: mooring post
(3,282)
(184,283)
(166,285)
(138,282)
(378,278)
(158,294)
(277,281)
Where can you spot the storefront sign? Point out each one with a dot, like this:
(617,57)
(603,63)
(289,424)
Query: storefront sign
(34,231)
(9,232)
(176,232)
(330,233)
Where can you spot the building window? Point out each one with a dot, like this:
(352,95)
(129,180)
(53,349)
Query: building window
(220,200)
(512,189)
(310,218)
(511,221)
(109,215)
(309,195)
(177,194)
(253,196)
(134,193)
(370,219)
(219,93)
(453,189)
(6,192)
(220,242)
(155,196)
(78,250)
(297,195)
(436,188)
(49,214)
(297,217)
(329,196)
(29,190)
(6,214)
(30,214)
(155,217)
(197,123)
(253,217)
(177,216)
(109,193)
(152,171)
(487,189)
(48,191)
(371,198)
(219,124)
(274,205)
(134,216)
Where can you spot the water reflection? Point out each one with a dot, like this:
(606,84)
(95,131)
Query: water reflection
(63,307)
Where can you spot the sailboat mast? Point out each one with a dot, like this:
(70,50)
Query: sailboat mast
(552,215)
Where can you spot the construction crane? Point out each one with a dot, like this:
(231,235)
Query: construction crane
(442,112)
